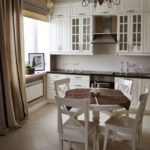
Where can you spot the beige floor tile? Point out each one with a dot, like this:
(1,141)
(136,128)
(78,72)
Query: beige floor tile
(40,133)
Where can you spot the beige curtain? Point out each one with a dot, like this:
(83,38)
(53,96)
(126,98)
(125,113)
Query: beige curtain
(13,110)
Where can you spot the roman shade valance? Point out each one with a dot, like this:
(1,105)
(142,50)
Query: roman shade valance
(38,9)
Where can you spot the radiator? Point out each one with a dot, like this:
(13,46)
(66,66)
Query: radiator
(34,90)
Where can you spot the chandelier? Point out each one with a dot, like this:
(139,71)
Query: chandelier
(100,2)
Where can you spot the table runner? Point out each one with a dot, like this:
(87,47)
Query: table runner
(104,96)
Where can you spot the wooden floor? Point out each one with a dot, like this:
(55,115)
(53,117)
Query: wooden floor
(40,133)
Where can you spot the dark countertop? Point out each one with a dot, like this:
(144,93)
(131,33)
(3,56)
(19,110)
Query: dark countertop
(102,73)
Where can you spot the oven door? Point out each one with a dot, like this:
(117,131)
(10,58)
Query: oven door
(109,85)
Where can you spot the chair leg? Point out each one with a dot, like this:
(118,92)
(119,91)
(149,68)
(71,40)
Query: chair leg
(105,139)
(133,142)
(140,138)
(60,144)
(97,140)
(86,146)
(94,140)
(70,145)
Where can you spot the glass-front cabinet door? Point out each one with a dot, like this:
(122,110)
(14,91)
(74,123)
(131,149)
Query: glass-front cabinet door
(81,33)
(123,32)
(130,35)
(86,27)
(75,26)
(136,33)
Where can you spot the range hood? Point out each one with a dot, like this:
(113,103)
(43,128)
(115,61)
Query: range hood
(105,30)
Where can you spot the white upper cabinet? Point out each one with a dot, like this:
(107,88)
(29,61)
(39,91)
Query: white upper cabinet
(81,32)
(59,38)
(77,9)
(147,32)
(54,37)
(130,33)
(61,10)
(130,6)
(146,5)
(104,10)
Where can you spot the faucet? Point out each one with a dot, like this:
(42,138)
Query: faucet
(130,66)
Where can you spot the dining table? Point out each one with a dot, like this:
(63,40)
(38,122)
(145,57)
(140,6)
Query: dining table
(101,99)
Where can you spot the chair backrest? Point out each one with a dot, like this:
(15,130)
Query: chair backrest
(140,112)
(61,86)
(69,124)
(125,86)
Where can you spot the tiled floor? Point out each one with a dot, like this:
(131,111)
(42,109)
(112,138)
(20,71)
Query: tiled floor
(40,133)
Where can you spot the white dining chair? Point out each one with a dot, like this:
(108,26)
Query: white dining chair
(61,86)
(130,126)
(125,86)
(71,129)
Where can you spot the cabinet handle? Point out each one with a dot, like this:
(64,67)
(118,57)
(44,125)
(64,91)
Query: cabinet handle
(128,47)
(59,15)
(105,12)
(79,85)
(77,77)
(80,48)
(130,11)
(132,47)
(59,48)
(81,14)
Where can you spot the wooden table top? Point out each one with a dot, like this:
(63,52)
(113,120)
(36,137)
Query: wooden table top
(100,97)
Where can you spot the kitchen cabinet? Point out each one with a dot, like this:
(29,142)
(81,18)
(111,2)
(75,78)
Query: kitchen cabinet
(81,34)
(50,86)
(76,81)
(130,33)
(61,10)
(130,6)
(59,38)
(146,84)
(79,81)
(146,5)
(147,32)
(77,9)
(105,10)
(135,92)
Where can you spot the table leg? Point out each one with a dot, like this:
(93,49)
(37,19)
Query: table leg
(96,118)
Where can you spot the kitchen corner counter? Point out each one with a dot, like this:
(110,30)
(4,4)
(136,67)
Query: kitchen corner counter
(102,73)
(35,76)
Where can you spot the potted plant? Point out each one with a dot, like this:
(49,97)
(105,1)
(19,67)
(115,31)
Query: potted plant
(29,69)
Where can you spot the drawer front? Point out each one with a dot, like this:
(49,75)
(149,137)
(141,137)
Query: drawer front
(56,76)
(79,85)
(79,78)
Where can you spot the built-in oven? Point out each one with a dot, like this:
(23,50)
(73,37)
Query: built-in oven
(101,81)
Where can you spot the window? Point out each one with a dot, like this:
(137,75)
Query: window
(36,38)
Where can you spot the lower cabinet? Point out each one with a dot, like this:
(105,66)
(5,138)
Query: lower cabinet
(76,81)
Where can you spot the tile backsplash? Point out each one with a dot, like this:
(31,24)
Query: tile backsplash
(104,62)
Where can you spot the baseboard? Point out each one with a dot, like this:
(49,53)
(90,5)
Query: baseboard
(37,106)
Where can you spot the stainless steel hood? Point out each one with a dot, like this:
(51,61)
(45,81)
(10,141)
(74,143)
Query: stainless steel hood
(105,30)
